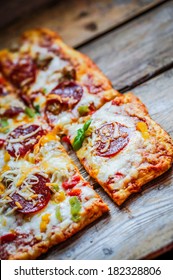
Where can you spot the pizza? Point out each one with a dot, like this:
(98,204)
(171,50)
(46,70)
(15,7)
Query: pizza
(63,83)
(51,94)
(121,147)
(44,200)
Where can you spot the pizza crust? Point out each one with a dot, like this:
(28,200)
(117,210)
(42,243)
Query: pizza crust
(92,213)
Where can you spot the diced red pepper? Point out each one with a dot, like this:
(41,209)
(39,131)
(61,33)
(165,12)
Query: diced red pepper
(2,141)
(71,183)
(74,192)
(66,139)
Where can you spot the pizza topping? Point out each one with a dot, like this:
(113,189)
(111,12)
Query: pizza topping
(81,133)
(142,127)
(6,156)
(22,139)
(12,112)
(94,87)
(4,125)
(117,176)
(83,110)
(66,139)
(59,197)
(3,90)
(69,93)
(7,238)
(37,109)
(58,214)
(111,139)
(2,188)
(68,73)
(2,141)
(53,106)
(38,198)
(74,192)
(45,219)
(30,112)
(69,184)
(24,72)
(75,208)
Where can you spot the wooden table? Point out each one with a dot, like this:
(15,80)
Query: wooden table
(132,42)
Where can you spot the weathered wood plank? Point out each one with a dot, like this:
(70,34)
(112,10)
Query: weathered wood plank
(136,50)
(77,21)
(145,223)
(17,8)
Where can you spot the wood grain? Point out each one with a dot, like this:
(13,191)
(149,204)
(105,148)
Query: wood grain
(17,8)
(136,51)
(145,223)
(76,21)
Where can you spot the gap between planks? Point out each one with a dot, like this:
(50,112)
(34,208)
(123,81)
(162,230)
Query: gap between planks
(137,51)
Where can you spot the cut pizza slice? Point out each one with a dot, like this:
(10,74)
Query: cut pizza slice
(43,199)
(64,83)
(122,147)
(18,122)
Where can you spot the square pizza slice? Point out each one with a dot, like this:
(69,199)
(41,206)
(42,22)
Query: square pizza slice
(20,127)
(121,147)
(43,199)
(64,83)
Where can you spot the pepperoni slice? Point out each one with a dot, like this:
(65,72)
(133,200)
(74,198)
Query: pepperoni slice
(24,72)
(12,112)
(9,237)
(112,138)
(69,93)
(94,87)
(40,197)
(22,139)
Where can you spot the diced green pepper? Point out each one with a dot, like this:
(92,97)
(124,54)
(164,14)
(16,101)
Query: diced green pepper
(30,112)
(83,110)
(55,186)
(4,125)
(58,214)
(44,90)
(75,208)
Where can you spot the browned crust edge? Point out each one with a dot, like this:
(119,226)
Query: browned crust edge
(91,214)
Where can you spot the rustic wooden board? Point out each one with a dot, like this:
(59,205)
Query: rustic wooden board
(145,223)
(17,8)
(76,21)
(136,51)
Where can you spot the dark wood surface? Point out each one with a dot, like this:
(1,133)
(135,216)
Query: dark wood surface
(76,21)
(132,42)
(136,51)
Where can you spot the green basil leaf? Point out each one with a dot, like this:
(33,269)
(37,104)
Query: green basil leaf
(77,143)
(78,140)
(86,125)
